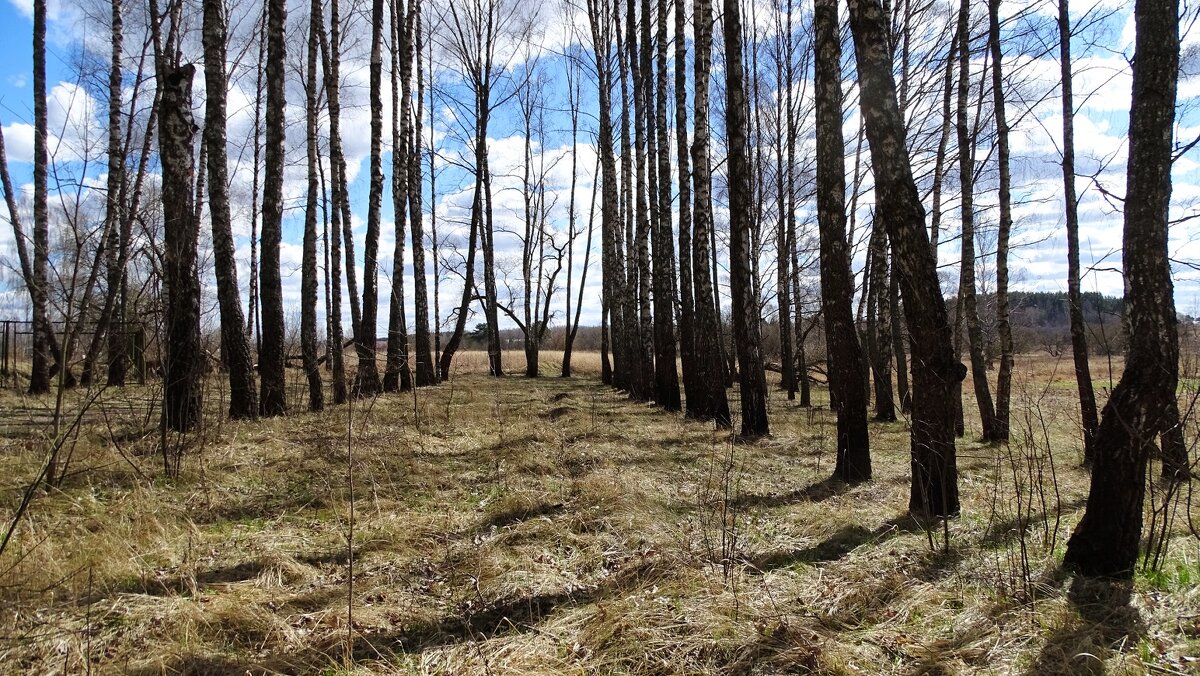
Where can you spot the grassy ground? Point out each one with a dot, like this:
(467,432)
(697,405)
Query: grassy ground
(553,526)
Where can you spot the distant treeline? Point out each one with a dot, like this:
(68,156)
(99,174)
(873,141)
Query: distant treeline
(1040,322)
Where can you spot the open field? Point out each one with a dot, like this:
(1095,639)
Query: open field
(552,526)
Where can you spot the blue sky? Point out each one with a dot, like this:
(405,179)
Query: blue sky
(16,68)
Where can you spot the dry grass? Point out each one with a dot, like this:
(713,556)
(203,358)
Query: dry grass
(553,526)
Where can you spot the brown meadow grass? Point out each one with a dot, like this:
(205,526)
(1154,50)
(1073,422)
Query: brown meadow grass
(552,526)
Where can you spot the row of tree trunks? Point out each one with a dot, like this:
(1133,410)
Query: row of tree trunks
(636,220)
(600,28)
(966,171)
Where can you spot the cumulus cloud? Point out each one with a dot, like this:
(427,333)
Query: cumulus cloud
(18,142)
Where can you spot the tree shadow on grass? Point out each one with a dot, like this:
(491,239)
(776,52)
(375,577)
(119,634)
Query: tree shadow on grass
(202,665)
(498,618)
(1005,531)
(505,616)
(189,585)
(511,616)
(182,585)
(262,505)
(815,492)
(843,541)
(520,513)
(1101,620)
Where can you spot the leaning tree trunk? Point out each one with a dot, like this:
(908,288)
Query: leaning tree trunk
(744,315)
(19,236)
(846,363)
(966,173)
(331,63)
(572,325)
(271,357)
(184,355)
(336,347)
(960,43)
(1105,543)
(712,401)
(460,322)
(939,162)
(235,346)
(113,212)
(935,371)
(1079,348)
(573,330)
(114,313)
(488,241)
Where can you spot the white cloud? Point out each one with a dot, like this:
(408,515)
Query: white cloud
(24,7)
(18,142)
